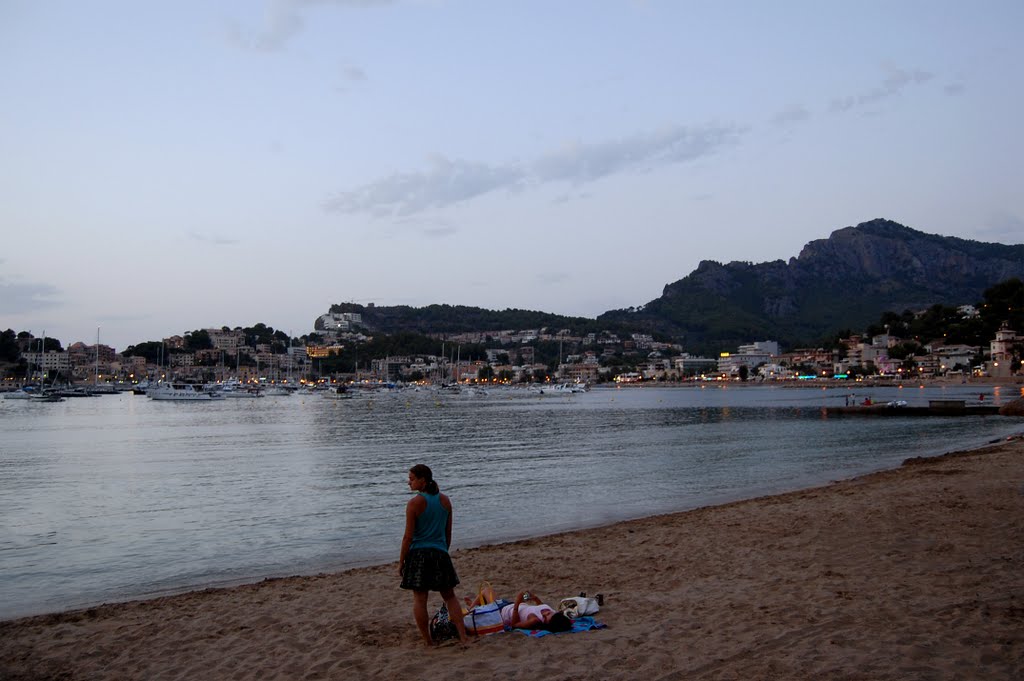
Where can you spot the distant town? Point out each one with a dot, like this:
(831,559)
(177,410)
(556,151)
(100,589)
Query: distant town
(264,356)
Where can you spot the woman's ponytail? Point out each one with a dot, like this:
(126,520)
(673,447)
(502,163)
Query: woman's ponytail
(423,472)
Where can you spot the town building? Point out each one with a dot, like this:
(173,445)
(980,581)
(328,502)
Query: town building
(751,356)
(688,365)
(228,341)
(338,321)
(1000,364)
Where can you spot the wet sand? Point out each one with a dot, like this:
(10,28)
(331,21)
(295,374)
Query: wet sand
(914,573)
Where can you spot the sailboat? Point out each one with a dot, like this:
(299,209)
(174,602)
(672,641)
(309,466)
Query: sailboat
(97,389)
(44,395)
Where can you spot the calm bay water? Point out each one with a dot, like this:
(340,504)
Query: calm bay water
(119,497)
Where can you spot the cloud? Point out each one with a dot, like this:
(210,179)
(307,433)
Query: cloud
(215,240)
(444,183)
(449,181)
(353,73)
(351,76)
(571,196)
(440,232)
(790,116)
(895,83)
(283,20)
(676,144)
(19,298)
(954,89)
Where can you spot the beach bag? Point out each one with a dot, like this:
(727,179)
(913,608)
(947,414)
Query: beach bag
(441,626)
(484,619)
(578,606)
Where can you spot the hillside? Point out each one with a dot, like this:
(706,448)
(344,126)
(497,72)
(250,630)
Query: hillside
(450,319)
(844,282)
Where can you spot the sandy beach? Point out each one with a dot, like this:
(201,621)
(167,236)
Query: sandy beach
(914,573)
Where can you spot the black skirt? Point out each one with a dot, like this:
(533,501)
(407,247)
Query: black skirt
(428,570)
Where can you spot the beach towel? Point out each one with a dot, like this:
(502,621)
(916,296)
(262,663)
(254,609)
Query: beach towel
(578,625)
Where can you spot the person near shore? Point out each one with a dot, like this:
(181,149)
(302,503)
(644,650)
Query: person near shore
(528,611)
(424,563)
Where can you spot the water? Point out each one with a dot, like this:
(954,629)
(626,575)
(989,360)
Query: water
(119,497)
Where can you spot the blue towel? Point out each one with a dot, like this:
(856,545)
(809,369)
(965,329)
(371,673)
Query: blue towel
(578,624)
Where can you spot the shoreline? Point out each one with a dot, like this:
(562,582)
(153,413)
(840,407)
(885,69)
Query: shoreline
(497,541)
(909,572)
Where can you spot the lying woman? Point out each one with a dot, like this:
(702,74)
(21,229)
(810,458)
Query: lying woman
(520,614)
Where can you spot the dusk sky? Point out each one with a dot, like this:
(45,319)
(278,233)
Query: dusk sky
(169,166)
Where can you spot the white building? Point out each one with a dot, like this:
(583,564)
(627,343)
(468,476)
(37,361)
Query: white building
(687,365)
(751,355)
(339,321)
(49,362)
(1001,350)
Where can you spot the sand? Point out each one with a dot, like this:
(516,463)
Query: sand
(915,573)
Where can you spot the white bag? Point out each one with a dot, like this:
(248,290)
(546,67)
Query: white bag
(578,606)
(484,619)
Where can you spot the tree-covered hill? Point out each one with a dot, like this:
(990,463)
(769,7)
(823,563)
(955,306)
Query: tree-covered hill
(844,282)
(433,319)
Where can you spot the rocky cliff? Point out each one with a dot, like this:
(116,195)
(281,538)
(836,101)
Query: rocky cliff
(843,282)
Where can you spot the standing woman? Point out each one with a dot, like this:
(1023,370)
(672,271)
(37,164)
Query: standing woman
(425,565)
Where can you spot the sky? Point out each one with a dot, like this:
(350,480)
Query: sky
(171,166)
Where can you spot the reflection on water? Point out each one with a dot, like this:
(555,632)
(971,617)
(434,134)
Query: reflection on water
(118,497)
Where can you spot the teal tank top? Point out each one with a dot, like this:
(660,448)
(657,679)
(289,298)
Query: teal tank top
(430,525)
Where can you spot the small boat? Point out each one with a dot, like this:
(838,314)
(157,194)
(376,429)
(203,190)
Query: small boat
(560,389)
(181,392)
(242,392)
(340,392)
(46,397)
(18,395)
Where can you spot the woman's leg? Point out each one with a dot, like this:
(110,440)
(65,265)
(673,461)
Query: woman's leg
(454,612)
(419,613)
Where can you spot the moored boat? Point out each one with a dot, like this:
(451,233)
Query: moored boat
(557,389)
(21,394)
(181,392)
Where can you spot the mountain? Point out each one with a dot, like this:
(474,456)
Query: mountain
(844,282)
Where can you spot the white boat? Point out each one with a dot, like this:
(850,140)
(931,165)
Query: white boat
(235,389)
(277,391)
(559,389)
(240,392)
(18,395)
(181,392)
